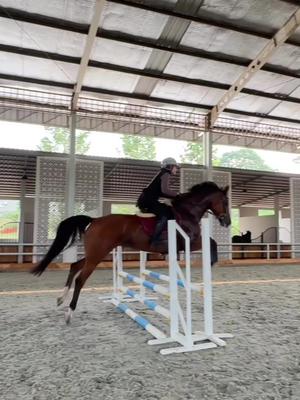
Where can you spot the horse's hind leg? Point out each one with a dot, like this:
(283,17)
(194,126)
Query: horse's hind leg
(74,270)
(86,271)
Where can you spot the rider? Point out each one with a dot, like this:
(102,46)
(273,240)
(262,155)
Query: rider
(159,187)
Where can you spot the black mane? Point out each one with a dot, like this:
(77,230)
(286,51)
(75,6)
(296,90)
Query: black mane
(204,187)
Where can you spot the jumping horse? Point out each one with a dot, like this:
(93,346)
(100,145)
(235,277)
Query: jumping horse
(101,235)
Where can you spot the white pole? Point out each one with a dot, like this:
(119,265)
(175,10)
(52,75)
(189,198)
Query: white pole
(70,255)
(22,218)
(188,292)
(119,270)
(206,273)
(114,255)
(143,260)
(174,325)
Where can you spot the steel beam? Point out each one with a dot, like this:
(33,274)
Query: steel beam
(57,23)
(208,18)
(193,52)
(137,96)
(279,38)
(277,192)
(240,184)
(99,5)
(43,20)
(144,72)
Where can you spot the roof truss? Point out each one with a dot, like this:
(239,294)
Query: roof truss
(279,38)
(99,5)
(169,45)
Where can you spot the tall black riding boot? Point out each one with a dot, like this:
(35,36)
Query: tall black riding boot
(160,226)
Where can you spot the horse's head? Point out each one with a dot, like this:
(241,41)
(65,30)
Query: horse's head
(208,196)
(202,197)
(219,206)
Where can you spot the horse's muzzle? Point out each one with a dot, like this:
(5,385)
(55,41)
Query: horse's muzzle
(224,220)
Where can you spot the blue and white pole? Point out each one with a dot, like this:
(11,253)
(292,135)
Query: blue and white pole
(166,278)
(149,285)
(151,304)
(143,322)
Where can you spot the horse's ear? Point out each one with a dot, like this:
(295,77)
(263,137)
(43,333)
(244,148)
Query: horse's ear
(225,189)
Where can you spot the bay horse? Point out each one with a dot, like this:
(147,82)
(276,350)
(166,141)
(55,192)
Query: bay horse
(101,235)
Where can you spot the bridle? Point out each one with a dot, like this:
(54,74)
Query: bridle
(220,217)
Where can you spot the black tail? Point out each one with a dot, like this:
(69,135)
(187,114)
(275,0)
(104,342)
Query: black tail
(66,234)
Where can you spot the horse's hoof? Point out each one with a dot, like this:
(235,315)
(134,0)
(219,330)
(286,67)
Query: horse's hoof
(59,301)
(68,316)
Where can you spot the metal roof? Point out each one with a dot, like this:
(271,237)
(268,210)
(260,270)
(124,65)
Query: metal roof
(249,188)
(169,60)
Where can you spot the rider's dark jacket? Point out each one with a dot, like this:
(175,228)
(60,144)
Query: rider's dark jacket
(159,187)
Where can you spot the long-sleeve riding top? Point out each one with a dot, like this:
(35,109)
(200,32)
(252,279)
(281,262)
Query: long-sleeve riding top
(160,186)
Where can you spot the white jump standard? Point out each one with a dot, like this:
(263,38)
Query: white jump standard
(180,318)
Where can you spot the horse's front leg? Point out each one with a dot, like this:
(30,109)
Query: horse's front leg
(197,245)
(74,270)
(86,271)
(91,261)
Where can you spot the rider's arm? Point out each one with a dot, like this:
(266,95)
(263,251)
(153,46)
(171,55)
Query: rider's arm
(165,186)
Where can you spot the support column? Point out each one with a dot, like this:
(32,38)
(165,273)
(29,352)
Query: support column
(22,218)
(277,209)
(207,159)
(207,153)
(70,255)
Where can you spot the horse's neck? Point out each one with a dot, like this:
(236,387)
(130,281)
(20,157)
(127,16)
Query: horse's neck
(188,216)
(195,213)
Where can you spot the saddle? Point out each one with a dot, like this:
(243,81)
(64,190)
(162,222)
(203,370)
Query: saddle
(148,222)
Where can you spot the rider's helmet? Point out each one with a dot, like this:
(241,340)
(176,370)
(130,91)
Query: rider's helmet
(168,163)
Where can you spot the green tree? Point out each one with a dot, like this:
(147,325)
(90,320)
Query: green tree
(9,211)
(139,148)
(123,209)
(244,159)
(235,221)
(57,140)
(193,153)
(13,216)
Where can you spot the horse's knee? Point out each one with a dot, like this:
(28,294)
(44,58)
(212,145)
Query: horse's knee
(80,281)
(77,266)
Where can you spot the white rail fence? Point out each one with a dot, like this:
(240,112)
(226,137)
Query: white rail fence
(37,251)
